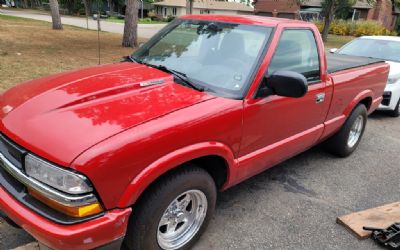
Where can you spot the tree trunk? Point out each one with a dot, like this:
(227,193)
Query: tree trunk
(55,15)
(110,4)
(329,13)
(130,28)
(189,7)
(87,7)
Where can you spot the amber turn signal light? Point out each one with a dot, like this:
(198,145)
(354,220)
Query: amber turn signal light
(77,212)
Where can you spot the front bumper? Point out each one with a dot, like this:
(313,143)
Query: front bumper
(91,234)
(391,97)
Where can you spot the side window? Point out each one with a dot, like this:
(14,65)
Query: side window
(297,51)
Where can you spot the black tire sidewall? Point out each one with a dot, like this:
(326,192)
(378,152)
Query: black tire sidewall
(359,110)
(337,144)
(143,225)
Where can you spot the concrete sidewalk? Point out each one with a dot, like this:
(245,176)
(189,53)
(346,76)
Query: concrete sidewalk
(144,30)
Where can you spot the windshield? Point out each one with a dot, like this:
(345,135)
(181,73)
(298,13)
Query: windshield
(380,49)
(219,57)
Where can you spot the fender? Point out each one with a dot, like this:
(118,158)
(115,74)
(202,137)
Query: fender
(172,160)
(333,125)
(364,94)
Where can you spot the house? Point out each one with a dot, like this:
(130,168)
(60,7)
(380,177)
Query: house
(167,8)
(382,11)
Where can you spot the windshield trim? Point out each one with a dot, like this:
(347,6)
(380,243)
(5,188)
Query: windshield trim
(339,51)
(214,90)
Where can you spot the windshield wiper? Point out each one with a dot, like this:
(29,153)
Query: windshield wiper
(131,59)
(181,76)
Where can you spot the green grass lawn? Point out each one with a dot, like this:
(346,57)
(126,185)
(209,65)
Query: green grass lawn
(141,21)
(31,49)
(335,41)
(50,51)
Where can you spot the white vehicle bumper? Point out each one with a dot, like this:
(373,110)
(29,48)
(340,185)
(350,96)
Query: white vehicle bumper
(391,97)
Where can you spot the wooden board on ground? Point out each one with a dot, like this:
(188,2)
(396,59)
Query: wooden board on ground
(379,217)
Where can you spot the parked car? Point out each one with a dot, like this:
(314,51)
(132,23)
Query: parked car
(386,48)
(135,152)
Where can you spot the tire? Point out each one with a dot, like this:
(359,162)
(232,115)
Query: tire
(147,230)
(396,111)
(340,144)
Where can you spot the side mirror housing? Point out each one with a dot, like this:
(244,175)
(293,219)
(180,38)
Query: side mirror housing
(286,83)
(333,50)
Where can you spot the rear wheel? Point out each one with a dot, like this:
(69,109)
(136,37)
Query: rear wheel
(174,212)
(344,142)
(396,111)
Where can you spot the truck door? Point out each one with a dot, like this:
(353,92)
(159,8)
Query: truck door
(276,128)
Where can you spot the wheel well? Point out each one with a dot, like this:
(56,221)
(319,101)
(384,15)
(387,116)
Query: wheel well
(367,102)
(215,165)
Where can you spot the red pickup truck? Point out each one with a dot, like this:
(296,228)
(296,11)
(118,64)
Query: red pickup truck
(134,153)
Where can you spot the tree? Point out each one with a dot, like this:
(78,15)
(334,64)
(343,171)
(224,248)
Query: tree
(329,9)
(130,28)
(331,6)
(88,7)
(111,6)
(55,15)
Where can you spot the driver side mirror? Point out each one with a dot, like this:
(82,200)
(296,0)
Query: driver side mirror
(285,83)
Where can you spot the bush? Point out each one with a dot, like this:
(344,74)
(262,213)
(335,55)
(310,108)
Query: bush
(146,20)
(340,27)
(320,25)
(357,28)
(170,18)
(151,14)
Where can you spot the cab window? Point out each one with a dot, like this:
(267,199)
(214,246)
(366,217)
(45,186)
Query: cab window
(297,51)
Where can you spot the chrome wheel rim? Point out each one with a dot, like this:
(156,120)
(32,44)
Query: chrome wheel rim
(355,131)
(182,219)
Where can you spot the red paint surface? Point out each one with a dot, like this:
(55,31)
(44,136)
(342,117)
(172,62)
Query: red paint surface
(100,122)
(87,235)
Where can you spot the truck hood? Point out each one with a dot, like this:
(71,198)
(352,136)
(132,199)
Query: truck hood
(60,116)
(394,69)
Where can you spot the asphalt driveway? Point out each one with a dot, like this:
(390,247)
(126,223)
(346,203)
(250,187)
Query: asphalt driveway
(294,205)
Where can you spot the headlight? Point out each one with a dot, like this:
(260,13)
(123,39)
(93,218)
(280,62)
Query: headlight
(393,80)
(63,180)
(77,199)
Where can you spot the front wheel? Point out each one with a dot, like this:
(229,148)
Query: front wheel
(174,212)
(344,142)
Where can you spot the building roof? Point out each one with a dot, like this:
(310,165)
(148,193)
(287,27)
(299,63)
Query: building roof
(247,19)
(207,4)
(360,4)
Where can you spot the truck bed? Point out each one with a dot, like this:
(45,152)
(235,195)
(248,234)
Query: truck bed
(337,62)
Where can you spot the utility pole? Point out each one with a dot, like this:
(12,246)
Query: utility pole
(98,29)
(141,9)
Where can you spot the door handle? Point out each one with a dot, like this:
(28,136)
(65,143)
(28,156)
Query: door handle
(320,98)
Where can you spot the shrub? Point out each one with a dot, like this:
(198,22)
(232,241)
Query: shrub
(170,18)
(146,20)
(151,14)
(320,25)
(339,27)
(357,28)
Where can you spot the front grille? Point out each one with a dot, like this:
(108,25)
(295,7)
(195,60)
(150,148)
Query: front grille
(11,151)
(387,96)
